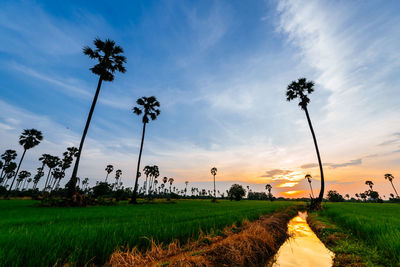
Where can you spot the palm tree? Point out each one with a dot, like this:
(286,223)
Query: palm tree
(390,177)
(37,177)
(369,183)
(170,180)
(109,169)
(110,60)
(52,162)
(186,183)
(308,177)
(214,172)
(118,174)
(301,89)
(8,156)
(28,139)
(149,106)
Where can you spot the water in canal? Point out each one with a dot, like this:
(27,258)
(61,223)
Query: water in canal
(303,248)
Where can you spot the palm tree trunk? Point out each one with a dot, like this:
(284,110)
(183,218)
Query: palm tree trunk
(312,193)
(321,192)
(133,200)
(214,187)
(72,182)
(47,179)
(107,176)
(394,189)
(16,173)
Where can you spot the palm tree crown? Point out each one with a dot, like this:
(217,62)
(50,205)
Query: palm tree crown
(149,107)
(30,138)
(389,177)
(109,57)
(300,89)
(214,171)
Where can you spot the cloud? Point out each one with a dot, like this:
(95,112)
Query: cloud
(350,163)
(275,172)
(289,184)
(309,166)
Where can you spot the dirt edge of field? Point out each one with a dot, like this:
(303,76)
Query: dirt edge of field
(252,244)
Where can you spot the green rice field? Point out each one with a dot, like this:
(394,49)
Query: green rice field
(42,236)
(378,225)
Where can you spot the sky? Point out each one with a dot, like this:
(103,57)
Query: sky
(220,70)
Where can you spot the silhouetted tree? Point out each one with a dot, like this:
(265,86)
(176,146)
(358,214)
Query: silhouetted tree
(186,184)
(268,187)
(149,107)
(390,178)
(110,59)
(8,156)
(308,177)
(28,139)
(369,183)
(52,162)
(236,192)
(334,196)
(109,170)
(301,89)
(214,172)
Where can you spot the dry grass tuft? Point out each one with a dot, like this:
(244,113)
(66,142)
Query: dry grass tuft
(252,246)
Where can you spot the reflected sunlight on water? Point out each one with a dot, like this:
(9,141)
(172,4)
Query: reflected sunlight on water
(303,248)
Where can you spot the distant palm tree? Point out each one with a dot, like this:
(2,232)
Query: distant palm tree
(37,177)
(268,187)
(347,196)
(186,183)
(170,180)
(301,89)
(214,172)
(390,177)
(53,161)
(149,107)
(22,177)
(369,183)
(109,170)
(110,60)
(308,177)
(28,139)
(8,156)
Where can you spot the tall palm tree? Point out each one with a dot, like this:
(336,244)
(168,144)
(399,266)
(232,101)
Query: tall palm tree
(214,172)
(110,60)
(149,107)
(390,177)
(28,139)
(302,89)
(109,170)
(369,183)
(308,177)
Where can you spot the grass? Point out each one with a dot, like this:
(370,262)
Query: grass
(35,236)
(376,226)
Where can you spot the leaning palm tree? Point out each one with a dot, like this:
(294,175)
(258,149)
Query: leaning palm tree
(109,170)
(308,177)
(149,107)
(110,60)
(390,177)
(214,172)
(301,89)
(28,139)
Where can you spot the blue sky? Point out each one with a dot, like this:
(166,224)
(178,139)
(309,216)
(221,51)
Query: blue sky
(219,69)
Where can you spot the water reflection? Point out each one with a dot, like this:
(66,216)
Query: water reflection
(303,248)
